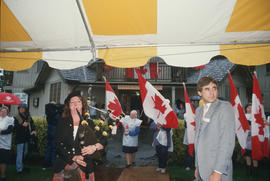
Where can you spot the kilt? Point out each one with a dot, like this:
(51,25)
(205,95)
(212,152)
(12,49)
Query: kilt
(61,176)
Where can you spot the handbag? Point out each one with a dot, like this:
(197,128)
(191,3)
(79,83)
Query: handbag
(33,142)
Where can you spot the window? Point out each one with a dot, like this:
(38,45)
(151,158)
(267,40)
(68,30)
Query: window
(55,92)
(8,78)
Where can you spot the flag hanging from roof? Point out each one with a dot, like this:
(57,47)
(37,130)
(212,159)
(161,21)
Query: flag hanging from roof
(155,106)
(199,67)
(190,119)
(241,122)
(259,132)
(149,71)
(112,103)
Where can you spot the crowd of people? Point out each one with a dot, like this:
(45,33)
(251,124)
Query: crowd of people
(73,146)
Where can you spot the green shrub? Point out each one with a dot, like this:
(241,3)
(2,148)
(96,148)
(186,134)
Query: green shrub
(178,155)
(41,129)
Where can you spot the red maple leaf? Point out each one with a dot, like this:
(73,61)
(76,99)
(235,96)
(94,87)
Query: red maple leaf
(242,118)
(115,107)
(143,70)
(158,104)
(260,121)
(193,124)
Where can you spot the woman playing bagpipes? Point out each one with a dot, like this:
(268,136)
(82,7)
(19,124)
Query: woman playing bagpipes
(76,143)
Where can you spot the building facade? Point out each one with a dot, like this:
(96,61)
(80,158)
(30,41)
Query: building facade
(44,84)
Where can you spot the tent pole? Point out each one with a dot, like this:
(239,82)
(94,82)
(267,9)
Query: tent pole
(87,27)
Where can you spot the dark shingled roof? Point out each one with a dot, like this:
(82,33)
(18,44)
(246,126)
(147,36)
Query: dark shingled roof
(81,74)
(217,68)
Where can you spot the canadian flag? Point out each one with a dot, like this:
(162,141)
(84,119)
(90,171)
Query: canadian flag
(107,68)
(112,103)
(259,132)
(241,122)
(199,67)
(155,106)
(149,71)
(190,119)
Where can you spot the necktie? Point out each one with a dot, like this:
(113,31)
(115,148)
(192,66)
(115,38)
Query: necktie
(205,109)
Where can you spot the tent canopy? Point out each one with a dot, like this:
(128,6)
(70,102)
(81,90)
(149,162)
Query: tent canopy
(127,33)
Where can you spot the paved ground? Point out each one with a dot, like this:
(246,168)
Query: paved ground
(142,174)
(144,157)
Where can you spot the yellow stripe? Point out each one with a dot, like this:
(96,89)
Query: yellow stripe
(247,54)
(122,17)
(127,57)
(14,61)
(250,15)
(11,29)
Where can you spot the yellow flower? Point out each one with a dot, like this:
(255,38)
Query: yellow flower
(110,126)
(104,133)
(87,114)
(101,122)
(97,128)
(84,122)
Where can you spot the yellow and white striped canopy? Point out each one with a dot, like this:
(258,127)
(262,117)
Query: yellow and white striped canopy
(127,33)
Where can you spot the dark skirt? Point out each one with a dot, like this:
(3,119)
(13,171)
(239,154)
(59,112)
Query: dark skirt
(4,156)
(130,149)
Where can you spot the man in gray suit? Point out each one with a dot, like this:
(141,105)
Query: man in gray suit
(215,134)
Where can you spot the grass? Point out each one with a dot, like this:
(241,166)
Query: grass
(239,174)
(177,173)
(36,173)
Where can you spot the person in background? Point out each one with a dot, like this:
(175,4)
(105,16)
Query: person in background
(248,151)
(179,109)
(182,110)
(162,141)
(103,114)
(53,113)
(131,125)
(188,161)
(93,112)
(176,107)
(24,127)
(6,129)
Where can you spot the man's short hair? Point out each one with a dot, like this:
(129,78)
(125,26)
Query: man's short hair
(205,81)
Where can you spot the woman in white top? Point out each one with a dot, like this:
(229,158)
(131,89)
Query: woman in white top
(6,129)
(248,152)
(131,126)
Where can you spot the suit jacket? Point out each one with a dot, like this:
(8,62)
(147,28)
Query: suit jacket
(67,147)
(215,140)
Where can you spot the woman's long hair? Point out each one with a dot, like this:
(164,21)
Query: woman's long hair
(67,114)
